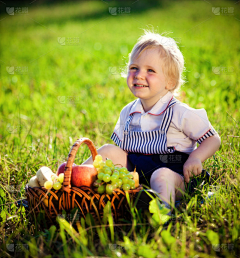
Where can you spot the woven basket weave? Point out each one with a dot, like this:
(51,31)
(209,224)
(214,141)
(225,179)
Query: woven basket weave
(84,198)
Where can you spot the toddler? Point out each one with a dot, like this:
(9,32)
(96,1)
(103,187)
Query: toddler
(156,133)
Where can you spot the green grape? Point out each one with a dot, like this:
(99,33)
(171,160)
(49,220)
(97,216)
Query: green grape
(60,178)
(132,187)
(119,182)
(130,176)
(116,172)
(109,189)
(98,158)
(131,182)
(115,185)
(100,176)
(125,180)
(108,171)
(124,170)
(49,184)
(126,187)
(106,178)
(96,164)
(101,189)
(101,170)
(57,186)
(101,164)
(122,175)
(114,178)
(109,162)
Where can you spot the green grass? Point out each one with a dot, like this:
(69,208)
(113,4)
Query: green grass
(75,90)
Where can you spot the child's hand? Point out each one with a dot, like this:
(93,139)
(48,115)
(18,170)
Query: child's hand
(193,166)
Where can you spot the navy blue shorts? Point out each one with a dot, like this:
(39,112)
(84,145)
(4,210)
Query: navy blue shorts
(147,164)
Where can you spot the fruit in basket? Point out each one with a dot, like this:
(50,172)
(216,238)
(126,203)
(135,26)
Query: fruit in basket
(130,176)
(83,175)
(111,177)
(126,187)
(57,186)
(135,177)
(61,178)
(119,182)
(33,182)
(101,189)
(62,167)
(109,189)
(97,163)
(131,182)
(106,178)
(55,183)
(44,174)
(124,170)
(100,176)
(107,170)
(45,200)
(48,184)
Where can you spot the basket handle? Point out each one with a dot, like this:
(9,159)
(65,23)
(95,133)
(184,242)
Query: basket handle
(70,160)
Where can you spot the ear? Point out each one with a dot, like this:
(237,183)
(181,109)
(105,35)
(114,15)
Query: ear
(171,83)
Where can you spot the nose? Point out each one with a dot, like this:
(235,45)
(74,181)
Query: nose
(139,75)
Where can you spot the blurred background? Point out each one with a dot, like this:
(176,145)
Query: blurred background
(61,64)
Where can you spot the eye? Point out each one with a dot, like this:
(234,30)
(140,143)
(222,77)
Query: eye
(150,70)
(132,68)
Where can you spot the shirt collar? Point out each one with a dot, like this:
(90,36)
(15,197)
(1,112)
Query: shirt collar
(157,109)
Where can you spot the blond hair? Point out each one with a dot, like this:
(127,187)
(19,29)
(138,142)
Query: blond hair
(168,51)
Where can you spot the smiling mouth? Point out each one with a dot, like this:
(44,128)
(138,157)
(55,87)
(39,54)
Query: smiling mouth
(140,85)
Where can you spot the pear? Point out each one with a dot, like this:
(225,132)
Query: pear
(135,177)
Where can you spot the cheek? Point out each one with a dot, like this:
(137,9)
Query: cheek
(129,78)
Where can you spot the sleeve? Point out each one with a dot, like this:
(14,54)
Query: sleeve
(195,124)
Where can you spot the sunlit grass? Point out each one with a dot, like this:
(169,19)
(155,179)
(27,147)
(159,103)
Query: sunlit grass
(76,90)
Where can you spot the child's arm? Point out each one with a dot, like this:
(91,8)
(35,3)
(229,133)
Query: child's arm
(194,162)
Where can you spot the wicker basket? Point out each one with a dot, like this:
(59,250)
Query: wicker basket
(84,198)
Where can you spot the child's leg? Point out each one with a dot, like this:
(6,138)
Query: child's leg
(165,182)
(115,153)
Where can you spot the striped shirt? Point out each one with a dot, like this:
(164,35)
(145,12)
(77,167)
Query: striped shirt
(187,126)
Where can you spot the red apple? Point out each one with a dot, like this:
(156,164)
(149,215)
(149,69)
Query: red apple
(62,167)
(83,175)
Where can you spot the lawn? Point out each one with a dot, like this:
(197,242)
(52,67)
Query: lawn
(61,80)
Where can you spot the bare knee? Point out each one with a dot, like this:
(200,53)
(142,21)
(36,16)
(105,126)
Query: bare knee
(166,175)
(115,153)
(161,174)
(107,150)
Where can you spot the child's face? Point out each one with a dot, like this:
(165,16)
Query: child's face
(147,70)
